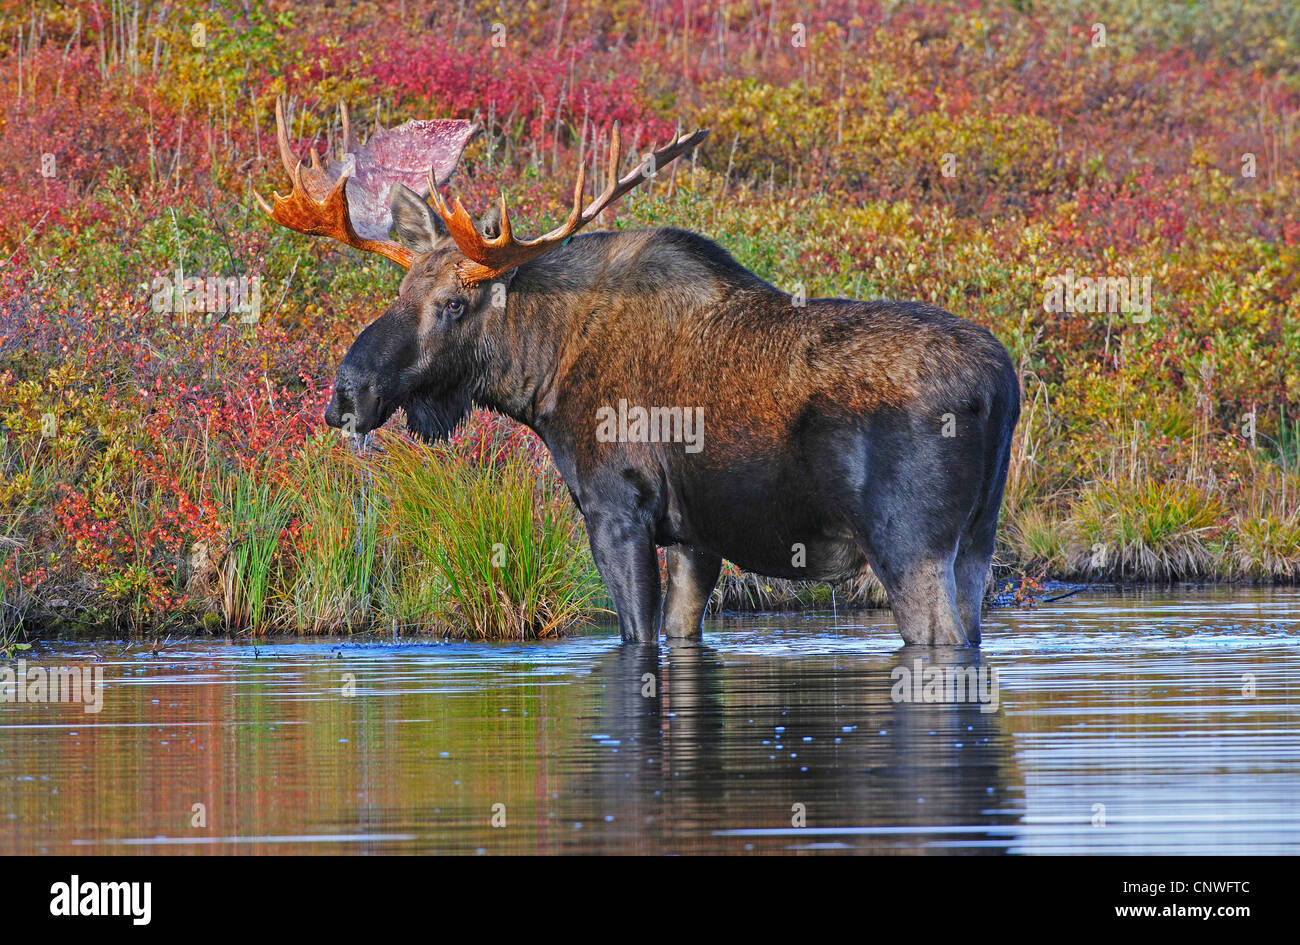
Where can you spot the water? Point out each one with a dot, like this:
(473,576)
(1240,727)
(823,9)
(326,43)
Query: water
(1124,724)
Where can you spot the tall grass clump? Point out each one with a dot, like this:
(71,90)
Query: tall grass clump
(335,559)
(255,516)
(1266,532)
(1036,538)
(493,552)
(12,596)
(1267,548)
(1159,530)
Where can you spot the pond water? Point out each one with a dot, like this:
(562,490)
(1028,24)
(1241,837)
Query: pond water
(1139,723)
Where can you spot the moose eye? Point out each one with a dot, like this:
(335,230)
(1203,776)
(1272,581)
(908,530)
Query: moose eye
(453,308)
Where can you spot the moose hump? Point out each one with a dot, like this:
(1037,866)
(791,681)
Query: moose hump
(399,155)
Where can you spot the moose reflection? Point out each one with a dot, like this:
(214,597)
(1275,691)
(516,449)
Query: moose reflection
(811,752)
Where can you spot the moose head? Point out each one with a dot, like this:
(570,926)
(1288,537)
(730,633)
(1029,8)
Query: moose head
(429,350)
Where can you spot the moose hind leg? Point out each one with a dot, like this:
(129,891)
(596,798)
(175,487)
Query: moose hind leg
(912,552)
(692,573)
(971,570)
(923,596)
(975,550)
(918,496)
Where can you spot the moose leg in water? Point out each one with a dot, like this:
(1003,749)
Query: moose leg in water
(692,573)
(910,535)
(624,550)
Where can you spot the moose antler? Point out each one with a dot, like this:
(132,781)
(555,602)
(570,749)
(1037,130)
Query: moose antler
(489,257)
(348,199)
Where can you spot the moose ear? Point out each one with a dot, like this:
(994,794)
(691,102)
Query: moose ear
(414,221)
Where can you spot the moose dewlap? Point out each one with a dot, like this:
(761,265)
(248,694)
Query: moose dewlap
(825,435)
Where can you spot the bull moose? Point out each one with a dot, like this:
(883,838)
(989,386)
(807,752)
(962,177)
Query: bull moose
(833,434)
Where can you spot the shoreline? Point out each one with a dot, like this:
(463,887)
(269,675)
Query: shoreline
(1047,592)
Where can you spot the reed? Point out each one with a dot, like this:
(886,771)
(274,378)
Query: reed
(500,554)
(1158,530)
(336,557)
(255,515)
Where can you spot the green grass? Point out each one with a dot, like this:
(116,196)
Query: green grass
(1160,530)
(255,515)
(337,555)
(500,554)
(1038,538)
(403,537)
(1268,548)
(1285,448)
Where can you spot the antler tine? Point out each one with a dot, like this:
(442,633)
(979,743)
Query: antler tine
(653,163)
(482,249)
(504,234)
(347,127)
(576,214)
(610,193)
(287,157)
(611,175)
(266,207)
(576,219)
(461,226)
(318,204)
(489,258)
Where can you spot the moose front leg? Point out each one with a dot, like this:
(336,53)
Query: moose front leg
(692,572)
(624,550)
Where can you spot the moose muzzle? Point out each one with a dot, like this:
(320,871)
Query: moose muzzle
(355,410)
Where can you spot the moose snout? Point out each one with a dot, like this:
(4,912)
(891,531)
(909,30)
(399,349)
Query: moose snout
(334,412)
(355,410)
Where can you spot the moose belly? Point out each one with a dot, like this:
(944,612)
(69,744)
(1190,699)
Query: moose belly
(829,560)
(765,522)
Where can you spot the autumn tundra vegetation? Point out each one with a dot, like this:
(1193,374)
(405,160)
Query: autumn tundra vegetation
(1111,189)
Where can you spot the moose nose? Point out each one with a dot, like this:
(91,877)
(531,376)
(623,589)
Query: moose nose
(337,408)
(354,408)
